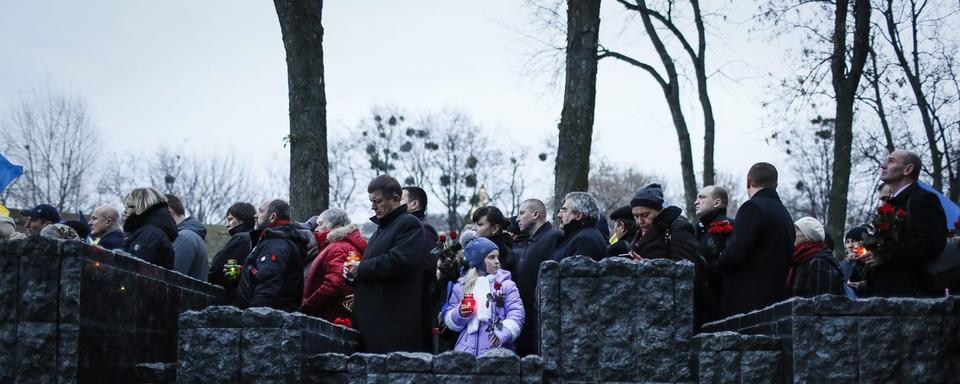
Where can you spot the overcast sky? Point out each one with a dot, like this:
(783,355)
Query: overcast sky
(211,75)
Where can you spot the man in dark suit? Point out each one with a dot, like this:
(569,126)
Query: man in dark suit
(921,237)
(388,303)
(539,243)
(756,259)
(714,228)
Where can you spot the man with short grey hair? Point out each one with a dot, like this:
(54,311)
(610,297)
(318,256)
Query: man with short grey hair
(578,220)
(105,227)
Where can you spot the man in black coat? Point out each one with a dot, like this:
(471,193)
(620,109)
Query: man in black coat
(714,228)
(105,227)
(578,220)
(755,262)
(273,272)
(388,305)
(921,237)
(539,242)
(434,291)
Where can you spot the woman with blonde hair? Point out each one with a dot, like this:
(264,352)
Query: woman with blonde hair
(148,226)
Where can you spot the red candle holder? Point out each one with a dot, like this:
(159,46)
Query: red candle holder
(469,301)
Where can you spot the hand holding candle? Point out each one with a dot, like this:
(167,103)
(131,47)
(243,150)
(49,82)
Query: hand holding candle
(467,305)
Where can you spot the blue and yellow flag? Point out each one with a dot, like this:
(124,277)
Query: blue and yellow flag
(8,172)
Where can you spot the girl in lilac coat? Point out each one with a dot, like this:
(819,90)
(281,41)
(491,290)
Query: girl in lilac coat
(497,318)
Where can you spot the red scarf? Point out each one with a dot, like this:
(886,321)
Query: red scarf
(802,253)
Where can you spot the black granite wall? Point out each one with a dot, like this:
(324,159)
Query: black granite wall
(832,338)
(256,345)
(497,366)
(72,312)
(616,320)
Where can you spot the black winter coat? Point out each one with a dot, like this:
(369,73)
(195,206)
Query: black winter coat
(581,238)
(111,240)
(388,305)
(921,238)
(237,248)
(151,235)
(756,260)
(273,272)
(707,297)
(535,250)
(670,237)
(504,244)
(819,276)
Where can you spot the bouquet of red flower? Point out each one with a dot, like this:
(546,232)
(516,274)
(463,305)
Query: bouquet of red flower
(719,231)
(448,252)
(497,300)
(344,321)
(886,223)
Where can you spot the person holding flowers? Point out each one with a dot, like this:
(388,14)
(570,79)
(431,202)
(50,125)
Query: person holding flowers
(908,232)
(485,306)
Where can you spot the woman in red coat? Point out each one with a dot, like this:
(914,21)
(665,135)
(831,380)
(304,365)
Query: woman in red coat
(325,289)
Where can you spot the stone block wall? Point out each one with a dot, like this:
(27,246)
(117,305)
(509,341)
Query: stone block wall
(832,338)
(70,312)
(256,345)
(616,320)
(729,357)
(498,366)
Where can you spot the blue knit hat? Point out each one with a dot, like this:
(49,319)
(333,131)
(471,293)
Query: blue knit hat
(477,250)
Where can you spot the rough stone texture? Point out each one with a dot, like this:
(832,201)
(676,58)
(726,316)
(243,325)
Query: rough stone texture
(617,320)
(531,369)
(455,363)
(495,366)
(265,345)
(548,294)
(70,312)
(834,339)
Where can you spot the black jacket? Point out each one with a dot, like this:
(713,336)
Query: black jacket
(273,272)
(111,240)
(581,238)
(535,250)
(755,261)
(921,238)
(670,237)
(237,248)
(623,244)
(820,275)
(151,235)
(707,297)
(505,245)
(388,304)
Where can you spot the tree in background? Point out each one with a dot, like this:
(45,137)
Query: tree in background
(613,185)
(300,24)
(654,21)
(579,98)
(52,134)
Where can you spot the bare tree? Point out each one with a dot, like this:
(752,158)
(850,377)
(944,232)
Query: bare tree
(300,24)
(54,137)
(207,184)
(344,174)
(613,185)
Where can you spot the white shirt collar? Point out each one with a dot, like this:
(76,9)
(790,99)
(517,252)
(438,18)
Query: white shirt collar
(900,190)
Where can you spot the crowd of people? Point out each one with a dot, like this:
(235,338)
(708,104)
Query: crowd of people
(399,291)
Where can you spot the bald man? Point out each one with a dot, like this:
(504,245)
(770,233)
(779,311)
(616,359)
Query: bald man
(919,239)
(105,227)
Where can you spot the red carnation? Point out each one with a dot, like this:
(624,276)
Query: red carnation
(720,228)
(901,213)
(453,235)
(344,321)
(443,239)
(884,226)
(885,209)
(497,285)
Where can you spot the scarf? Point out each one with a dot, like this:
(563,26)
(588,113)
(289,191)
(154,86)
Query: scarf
(480,290)
(802,253)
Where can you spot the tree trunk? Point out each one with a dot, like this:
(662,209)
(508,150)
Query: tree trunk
(671,92)
(913,78)
(700,67)
(303,41)
(579,99)
(845,83)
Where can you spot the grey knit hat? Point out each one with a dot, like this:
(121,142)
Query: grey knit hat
(650,196)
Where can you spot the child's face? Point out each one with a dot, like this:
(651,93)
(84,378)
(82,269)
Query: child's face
(492,261)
